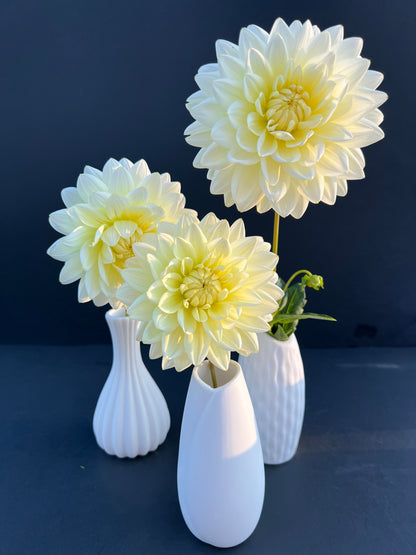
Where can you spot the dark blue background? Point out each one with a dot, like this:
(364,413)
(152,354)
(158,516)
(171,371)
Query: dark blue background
(85,80)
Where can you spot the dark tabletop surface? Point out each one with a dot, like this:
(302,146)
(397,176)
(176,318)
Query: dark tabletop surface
(351,488)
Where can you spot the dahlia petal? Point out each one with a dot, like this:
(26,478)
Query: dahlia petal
(355,164)
(207,112)
(246,139)
(225,47)
(164,322)
(270,169)
(62,221)
(120,182)
(151,333)
(231,339)
(253,85)
(70,196)
(219,357)
(219,310)
(252,323)
(172,346)
(372,79)
(226,92)
(221,182)
(337,33)
(237,230)
(186,320)
(330,191)
(83,296)
(71,271)
(223,133)
(110,236)
(88,256)
(284,154)
(256,123)
(101,300)
(258,64)
(141,308)
(313,189)
(334,162)
(287,203)
(88,184)
(170,302)
(249,341)
(93,171)
(275,191)
(342,187)
(266,144)
(244,186)
(196,346)
(318,46)
(92,282)
(277,54)
(334,132)
(125,228)
(90,216)
(349,48)
(155,351)
(115,206)
(237,113)
(230,67)
(239,156)
(215,156)
(252,36)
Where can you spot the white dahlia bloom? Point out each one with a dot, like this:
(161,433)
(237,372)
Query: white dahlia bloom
(106,213)
(201,289)
(282,116)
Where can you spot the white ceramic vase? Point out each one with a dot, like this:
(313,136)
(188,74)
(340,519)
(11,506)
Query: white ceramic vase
(220,465)
(131,417)
(276,382)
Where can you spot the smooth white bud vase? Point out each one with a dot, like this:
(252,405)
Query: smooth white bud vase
(220,464)
(131,417)
(276,382)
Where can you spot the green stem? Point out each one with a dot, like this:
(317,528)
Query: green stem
(289,281)
(213,376)
(276,232)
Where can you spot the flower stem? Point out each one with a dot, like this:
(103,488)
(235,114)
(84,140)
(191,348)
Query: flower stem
(289,281)
(276,232)
(213,376)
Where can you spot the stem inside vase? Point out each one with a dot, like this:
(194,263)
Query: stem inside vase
(213,376)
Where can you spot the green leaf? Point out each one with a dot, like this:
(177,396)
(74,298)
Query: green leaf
(284,318)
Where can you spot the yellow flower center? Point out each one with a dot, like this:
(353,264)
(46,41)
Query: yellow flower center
(201,287)
(286,108)
(124,248)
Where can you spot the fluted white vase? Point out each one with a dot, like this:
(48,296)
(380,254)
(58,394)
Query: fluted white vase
(220,464)
(131,417)
(276,382)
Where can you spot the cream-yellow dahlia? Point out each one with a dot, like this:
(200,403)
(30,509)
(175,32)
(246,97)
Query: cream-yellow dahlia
(282,116)
(200,289)
(106,213)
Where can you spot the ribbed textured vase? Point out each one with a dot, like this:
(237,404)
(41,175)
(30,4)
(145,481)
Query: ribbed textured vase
(220,464)
(131,417)
(276,382)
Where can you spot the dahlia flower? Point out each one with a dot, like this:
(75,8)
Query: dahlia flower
(200,289)
(106,213)
(282,116)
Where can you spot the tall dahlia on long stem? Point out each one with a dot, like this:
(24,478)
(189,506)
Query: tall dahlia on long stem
(105,214)
(281,117)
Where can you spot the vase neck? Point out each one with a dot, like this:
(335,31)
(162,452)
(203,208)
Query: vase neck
(126,349)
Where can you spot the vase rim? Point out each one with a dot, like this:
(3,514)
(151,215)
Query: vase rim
(116,313)
(234,368)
